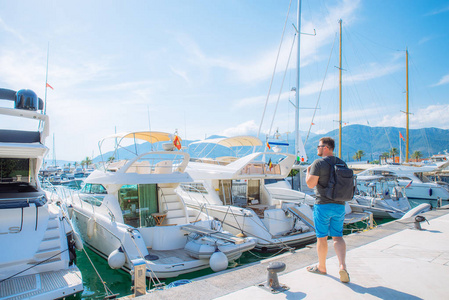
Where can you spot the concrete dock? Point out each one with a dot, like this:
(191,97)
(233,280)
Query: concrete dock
(392,261)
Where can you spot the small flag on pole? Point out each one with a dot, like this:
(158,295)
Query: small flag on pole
(401,136)
(177,142)
(49,86)
(268,146)
(270,164)
(313,123)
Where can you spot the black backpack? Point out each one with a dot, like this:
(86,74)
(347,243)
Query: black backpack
(342,181)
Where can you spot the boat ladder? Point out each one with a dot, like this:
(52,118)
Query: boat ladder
(213,233)
(302,216)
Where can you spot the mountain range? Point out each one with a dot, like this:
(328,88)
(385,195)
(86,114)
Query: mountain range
(373,141)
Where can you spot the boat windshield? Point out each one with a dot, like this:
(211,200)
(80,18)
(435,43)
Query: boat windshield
(384,189)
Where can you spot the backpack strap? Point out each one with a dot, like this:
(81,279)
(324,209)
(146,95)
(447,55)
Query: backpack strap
(329,161)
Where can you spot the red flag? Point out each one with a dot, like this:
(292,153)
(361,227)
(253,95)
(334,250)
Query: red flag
(400,135)
(268,146)
(50,86)
(177,142)
(313,123)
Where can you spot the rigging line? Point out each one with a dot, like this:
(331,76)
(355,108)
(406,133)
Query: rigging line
(274,70)
(107,290)
(282,84)
(321,90)
(35,265)
(281,244)
(153,279)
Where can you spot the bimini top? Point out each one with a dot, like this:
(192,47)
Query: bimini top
(237,141)
(149,136)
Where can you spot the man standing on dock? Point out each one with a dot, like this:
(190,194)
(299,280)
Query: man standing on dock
(328,214)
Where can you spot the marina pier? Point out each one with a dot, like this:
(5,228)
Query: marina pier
(393,261)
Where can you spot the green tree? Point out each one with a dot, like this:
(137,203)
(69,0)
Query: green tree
(86,162)
(111,159)
(394,152)
(385,155)
(358,155)
(417,155)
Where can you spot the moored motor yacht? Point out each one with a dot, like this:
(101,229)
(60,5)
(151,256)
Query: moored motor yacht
(381,195)
(128,211)
(234,192)
(412,179)
(37,255)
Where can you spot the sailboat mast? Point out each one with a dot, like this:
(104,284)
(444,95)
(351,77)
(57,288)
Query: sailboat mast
(297,136)
(340,115)
(407,112)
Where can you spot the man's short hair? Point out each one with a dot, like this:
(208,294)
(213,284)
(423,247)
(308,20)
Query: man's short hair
(328,141)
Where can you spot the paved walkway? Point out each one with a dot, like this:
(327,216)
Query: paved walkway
(393,261)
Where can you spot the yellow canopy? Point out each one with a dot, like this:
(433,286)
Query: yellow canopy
(149,136)
(238,141)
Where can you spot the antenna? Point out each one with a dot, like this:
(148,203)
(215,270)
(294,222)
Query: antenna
(46,79)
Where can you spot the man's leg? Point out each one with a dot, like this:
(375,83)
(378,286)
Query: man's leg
(340,250)
(321,247)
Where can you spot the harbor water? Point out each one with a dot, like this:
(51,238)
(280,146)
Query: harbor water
(120,282)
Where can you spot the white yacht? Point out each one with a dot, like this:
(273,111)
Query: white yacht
(235,193)
(37,255)
(356,216)
(382,196)
(128,211)
(416,184)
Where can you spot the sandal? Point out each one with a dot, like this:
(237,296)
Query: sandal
(314,269)
(344,276)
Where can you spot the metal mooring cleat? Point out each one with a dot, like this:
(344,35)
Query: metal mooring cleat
(272,285)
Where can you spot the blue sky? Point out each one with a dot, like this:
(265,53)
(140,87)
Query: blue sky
(204,67)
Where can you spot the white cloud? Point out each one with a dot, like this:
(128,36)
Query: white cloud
(443,80)
(373,71)
(8,29)
(439,11)
(260,66)
(247,128)
(181,73)
(431,116)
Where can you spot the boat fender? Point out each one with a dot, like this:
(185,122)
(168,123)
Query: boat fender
(417,210)
(91,227)
(117,259)
(218,261)
(70,211)
(430,192)
(78,242)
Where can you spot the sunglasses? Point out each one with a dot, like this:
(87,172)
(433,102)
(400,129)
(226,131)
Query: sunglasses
(321,146)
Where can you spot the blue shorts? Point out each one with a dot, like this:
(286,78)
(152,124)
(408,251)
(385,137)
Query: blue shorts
(328,219)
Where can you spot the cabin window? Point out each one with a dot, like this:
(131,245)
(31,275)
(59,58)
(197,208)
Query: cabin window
(93,193)
(137,203)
